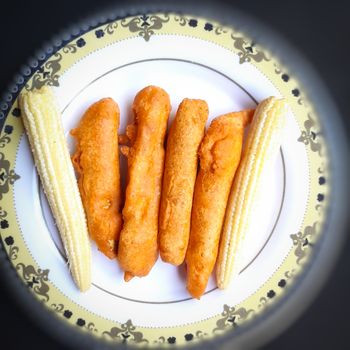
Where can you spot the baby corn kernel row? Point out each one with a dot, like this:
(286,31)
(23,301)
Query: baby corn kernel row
(42,121)
(263,143)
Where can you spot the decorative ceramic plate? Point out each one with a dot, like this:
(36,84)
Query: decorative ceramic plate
(188,57)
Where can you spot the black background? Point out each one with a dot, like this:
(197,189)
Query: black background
(321,32)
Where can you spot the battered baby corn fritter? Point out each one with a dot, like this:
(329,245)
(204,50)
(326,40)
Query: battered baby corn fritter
(219,154)
(138,248)
(96,161)
(180,171)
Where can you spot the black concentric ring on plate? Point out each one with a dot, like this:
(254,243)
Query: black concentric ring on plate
(290,306)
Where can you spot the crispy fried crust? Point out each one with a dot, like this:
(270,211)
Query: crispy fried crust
(96,160)
(138,248)
(220,153)
(180,171)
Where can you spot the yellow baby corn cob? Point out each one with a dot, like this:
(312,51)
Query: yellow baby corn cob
(262,144)
(42,121)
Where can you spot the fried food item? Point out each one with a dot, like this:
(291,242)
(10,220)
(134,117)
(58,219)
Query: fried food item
(263,143)
(138,247)
(219,154)
(96,160)
(180,171)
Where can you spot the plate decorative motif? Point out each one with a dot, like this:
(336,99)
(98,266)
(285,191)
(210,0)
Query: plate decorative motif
(123,55)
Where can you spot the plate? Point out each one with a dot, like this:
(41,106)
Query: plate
(189,57)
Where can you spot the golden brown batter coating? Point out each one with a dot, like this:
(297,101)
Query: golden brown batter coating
(180,171)
(96,160)
(138,248)
(219,154)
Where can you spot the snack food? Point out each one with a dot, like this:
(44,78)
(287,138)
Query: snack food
(180,171)
(263,143)
(219,154)
(138,248)
(96,161)
(42,121)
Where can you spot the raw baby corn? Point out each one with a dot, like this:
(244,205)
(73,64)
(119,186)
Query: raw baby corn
(263,143)
(43,125)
